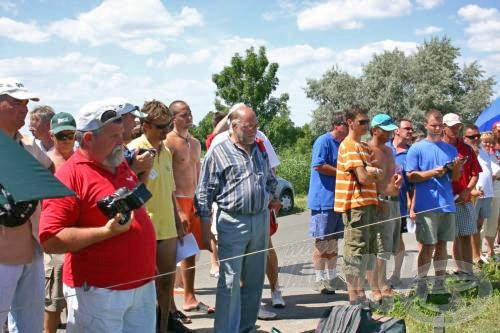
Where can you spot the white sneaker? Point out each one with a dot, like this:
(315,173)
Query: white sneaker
(266,315)
(485,259)
(277,300)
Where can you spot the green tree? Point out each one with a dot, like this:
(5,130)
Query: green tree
(251,80)
(203,128)
(406,86)
(281,130)
(335,91)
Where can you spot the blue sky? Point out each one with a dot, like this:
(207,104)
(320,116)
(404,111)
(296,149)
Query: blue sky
(73,52)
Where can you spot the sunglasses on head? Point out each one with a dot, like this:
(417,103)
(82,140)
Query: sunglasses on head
(64,136)
(110,115)
(473,137)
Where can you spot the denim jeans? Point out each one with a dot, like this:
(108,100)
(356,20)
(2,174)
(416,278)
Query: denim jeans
(22,287)
(237,307)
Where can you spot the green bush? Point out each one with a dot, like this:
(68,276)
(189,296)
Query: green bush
(295,168)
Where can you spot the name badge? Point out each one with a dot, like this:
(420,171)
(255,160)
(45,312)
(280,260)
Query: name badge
(153,174)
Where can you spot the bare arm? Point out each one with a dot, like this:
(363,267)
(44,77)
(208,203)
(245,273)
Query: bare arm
(422,176)
(326,169)
(221,126)
(366,176)
(74,239)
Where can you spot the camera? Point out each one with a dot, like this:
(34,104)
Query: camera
(14,214)
(124,201)
(448,166)
(144,150)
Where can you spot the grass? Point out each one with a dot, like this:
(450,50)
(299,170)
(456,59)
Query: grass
(466,302)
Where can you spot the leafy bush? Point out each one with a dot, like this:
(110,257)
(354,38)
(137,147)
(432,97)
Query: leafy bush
(295,168)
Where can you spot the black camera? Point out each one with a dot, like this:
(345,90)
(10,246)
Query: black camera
(144,150)
(448,166)
(124,201)
(14,214)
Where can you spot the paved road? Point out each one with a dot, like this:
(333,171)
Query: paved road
(304,306)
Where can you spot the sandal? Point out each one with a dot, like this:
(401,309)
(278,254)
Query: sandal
(179,315)
(202,308)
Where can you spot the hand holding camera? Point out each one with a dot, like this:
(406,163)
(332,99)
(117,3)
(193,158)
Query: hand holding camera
(117,225)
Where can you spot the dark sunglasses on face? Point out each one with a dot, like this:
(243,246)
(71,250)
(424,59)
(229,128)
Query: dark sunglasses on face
(162,126)
(64,136)
(363,122)
(473,137)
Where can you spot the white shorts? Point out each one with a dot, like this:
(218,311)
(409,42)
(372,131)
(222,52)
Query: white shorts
(103,310)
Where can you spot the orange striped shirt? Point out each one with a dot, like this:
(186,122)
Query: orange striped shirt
(349,193)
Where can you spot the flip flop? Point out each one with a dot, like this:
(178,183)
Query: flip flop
(181,316)
(202,308)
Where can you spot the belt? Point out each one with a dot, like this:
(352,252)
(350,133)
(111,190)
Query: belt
(388,197)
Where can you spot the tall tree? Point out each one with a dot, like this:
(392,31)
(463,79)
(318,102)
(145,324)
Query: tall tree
(251,80)
(335,91)
(281,130)
(203,128)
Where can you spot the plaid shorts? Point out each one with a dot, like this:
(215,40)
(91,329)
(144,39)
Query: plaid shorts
(465,219)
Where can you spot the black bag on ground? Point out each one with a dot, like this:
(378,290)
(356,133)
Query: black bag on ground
(357,319)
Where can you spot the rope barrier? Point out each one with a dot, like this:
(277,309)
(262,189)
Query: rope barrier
(154,277)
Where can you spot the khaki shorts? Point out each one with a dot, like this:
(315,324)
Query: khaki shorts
(491,223)
(435,226)
(388,232)
(360,245)
(54,297)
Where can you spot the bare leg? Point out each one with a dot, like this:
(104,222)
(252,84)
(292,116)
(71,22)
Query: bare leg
(188,275)
(51,321)
(457,253)
(490,246)
(382,277)
(214,256)
(465,243)
(440,258)
(398,260)
(272,266)
(424,259)
(165,261)
(476,241)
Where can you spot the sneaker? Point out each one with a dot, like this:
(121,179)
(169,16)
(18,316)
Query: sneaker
(324,287)
(484,259)
(266,315)
(277,300)
(214,274)
(338,283)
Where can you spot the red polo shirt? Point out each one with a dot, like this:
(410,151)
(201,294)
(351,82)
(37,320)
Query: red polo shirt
(127,257)
(470,168)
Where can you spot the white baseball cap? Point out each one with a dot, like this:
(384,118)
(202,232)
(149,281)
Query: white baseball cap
(126,107)
(15,89)
(95,115)
(451,119)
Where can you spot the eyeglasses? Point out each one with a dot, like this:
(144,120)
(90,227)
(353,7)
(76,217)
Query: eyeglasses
(364,122)
(248,126)
(407,128)
(64,136)
(473,137)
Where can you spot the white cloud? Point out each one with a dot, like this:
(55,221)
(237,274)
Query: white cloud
(428,30)
(483,29)
(179,59)
(429,4)
(142,27)
(298,54)
(286,8)
(8,6)
(347,14)
(22,32)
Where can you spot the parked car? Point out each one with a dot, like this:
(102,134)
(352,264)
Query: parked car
(286,194)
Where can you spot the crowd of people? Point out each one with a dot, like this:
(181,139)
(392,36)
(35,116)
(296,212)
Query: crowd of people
(116,273)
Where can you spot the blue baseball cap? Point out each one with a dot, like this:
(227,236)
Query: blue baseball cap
(384,121)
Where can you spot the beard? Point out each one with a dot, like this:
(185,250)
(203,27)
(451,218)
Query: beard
(245,139)
(115,158)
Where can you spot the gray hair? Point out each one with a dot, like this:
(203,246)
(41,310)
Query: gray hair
(233,116)
(44,113)
(79,135)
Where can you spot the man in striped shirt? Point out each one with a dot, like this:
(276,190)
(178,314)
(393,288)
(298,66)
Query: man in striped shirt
(237,176)
(356,199)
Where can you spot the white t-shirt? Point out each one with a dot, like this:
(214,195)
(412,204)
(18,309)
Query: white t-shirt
(273,158)
(485,181)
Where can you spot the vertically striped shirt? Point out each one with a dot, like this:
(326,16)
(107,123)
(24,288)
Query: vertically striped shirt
(238,182)
(349,193)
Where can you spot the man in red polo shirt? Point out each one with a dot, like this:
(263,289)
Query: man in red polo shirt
(108,266)
(465,216)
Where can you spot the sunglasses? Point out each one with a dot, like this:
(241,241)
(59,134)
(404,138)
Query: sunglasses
(63,137)
(162,126)
(473,137)
(364,122)
(110,116)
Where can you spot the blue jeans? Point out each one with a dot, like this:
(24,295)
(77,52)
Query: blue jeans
(237,307)
(22,289)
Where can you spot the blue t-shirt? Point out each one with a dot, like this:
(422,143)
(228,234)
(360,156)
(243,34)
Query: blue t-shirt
(435,192)
(322,187)
(401,160)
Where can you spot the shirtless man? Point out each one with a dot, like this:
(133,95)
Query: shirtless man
(388,233)
(186,151)
(62,132)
